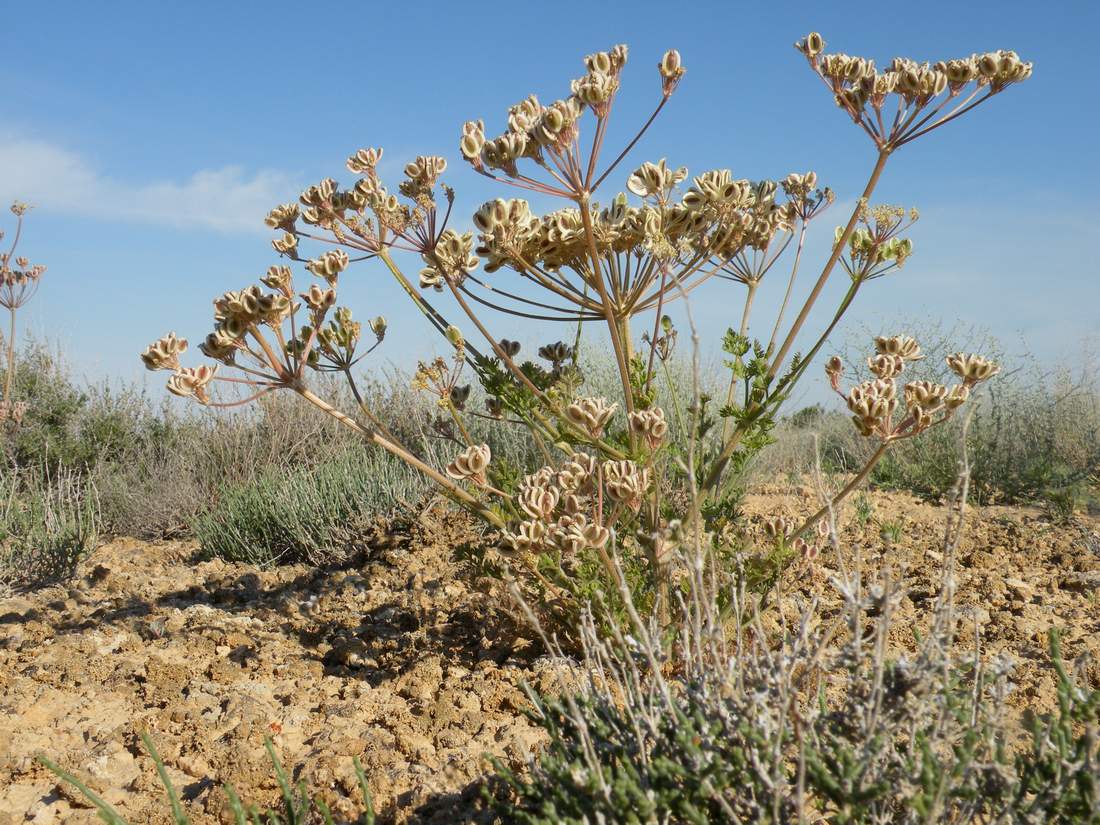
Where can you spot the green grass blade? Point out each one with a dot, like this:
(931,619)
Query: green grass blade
(368,815)
(106,812)
(178,816)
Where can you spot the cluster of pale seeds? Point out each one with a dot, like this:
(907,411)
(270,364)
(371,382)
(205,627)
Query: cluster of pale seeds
(564,507)
(780,529)
(874,403)
(13,411)
(19,283)
(863,91)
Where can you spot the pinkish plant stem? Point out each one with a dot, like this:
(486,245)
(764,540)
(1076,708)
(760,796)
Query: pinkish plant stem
(11,357)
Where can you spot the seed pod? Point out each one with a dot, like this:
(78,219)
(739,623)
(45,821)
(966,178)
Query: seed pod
(191,382)
(956,396)
(471,464)
(364,161)
(282,217)
(902,345)
(163,354)
(811,45)
(591,414)
(671,65)
(626,482)
(454,335)
(459,395)
(277,277)
(972,369)
(556,353)
(528,537)
(650,425)
(510,348)
(319,300)
(539,502)
(777,527)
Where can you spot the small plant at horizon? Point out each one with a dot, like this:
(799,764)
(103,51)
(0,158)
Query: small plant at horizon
(624,474)
(891,531)
(864,509)
(18,284)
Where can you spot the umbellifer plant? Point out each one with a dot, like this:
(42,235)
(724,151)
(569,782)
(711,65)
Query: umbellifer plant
(617,473)
(18,284)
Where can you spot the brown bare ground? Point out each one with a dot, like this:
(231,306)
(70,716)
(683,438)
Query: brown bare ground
(397,660)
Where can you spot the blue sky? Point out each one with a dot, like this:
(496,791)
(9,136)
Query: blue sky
(153,137)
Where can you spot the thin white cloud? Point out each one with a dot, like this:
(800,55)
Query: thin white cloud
(57,179)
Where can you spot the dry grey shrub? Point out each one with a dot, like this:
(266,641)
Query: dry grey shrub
(611,466)
(754,721)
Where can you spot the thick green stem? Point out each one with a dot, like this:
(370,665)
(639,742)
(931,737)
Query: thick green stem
(752,286)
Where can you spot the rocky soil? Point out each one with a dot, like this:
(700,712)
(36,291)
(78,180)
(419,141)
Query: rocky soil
(395,659)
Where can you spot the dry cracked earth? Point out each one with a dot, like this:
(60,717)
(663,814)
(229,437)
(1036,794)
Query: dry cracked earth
(395,659)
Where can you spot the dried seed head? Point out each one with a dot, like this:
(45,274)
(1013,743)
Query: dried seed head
(900,345)
(510,348)
(811,45)
(973,369)
(220,345)
(539,502)
(591,414)
(925,394)
(473,141)
(364,161)
(329,265)
(576,474)
(556,353)
(672,70)
(649,425)
(283,217)
(163,354)
(471,464)
(278,277)
(872,403)
(285,244)
(956,396)
(528,537)
(450,261)
(626,482)
(378,327)
(191,382)
(573,533)
(834,369)
(886,366)
(319,300)
(652,179)
(777,527)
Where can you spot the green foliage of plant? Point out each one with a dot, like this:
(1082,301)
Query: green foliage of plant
(314,515)
(864,509)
